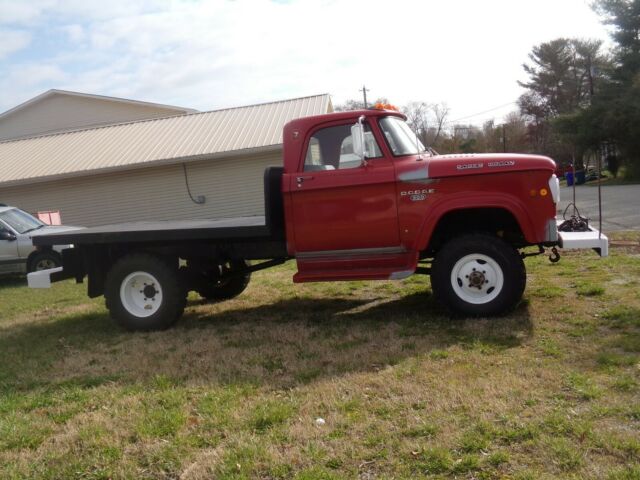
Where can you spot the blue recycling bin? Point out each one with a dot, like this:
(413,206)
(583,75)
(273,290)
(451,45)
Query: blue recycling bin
(569,177)
(580,177)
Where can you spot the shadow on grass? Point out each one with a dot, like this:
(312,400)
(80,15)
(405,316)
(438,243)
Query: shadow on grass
(10,280)
(290,342)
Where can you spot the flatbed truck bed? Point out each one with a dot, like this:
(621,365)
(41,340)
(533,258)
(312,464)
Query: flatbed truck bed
(227,229)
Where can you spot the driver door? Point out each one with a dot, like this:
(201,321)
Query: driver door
(340,203)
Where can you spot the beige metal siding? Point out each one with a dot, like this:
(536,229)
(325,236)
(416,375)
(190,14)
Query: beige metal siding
(61,112)
(232,187)
(151,142)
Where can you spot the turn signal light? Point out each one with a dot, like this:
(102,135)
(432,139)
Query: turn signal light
(543,192)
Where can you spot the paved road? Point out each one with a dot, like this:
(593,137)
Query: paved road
(620,205)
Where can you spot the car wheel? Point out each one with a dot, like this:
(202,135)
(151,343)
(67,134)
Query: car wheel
(44,261)
(478,275)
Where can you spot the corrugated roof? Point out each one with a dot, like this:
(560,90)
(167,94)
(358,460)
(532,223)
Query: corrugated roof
(165,140)
(54,91)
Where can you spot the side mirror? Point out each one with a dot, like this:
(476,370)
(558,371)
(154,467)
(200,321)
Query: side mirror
(357,137)
(7,235)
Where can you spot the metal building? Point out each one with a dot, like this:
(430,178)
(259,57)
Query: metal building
(194,165)
(61,110)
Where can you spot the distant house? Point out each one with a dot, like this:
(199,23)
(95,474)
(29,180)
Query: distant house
(60,110)
(180,165)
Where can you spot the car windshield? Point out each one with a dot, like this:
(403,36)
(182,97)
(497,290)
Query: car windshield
(20,221)
(402,140)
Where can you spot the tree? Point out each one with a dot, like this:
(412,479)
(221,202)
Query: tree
(561,76)
(427,120)
(618,107)
(562,80)
(624,17)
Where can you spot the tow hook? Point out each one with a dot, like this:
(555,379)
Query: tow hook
(555,255)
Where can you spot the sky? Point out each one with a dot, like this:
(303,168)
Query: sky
(211,54)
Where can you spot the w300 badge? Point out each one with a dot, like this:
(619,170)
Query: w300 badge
(418,197)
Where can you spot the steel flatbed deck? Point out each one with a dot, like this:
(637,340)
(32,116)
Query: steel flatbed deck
(226,229)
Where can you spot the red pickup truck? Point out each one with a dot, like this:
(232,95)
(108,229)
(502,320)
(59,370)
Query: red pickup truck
(358,198)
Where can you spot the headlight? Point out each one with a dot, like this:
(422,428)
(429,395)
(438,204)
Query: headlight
(554,188)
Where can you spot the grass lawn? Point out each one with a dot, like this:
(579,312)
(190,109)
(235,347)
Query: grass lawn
(234,391)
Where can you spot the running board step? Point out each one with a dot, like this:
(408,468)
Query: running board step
(368,274)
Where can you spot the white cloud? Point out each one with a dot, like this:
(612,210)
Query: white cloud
(208,55)
(74,32)
(21,12)
(12,41)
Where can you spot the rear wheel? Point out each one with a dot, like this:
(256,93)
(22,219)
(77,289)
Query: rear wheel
(142,292)
(478,275)
(44,261)
(227,280)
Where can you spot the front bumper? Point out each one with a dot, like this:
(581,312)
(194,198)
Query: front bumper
(591,239)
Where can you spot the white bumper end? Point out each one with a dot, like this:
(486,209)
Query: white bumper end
(41,278)
(591,239)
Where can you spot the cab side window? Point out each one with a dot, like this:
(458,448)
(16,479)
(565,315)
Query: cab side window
(331,148)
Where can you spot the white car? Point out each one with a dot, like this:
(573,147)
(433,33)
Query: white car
(17,253)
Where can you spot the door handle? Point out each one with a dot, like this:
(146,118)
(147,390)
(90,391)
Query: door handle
(303,178)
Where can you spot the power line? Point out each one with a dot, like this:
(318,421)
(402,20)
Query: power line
(482,113)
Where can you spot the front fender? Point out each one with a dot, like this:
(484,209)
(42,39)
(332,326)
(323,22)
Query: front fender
(466,201)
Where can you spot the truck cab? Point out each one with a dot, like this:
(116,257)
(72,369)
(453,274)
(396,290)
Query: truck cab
(394,203)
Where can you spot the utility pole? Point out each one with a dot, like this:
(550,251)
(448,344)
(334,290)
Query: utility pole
(364,91)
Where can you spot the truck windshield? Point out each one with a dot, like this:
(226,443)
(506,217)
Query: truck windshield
(402,140)
(20,221)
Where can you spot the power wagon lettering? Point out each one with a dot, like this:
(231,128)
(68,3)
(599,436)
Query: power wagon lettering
(507,163)
(466,166)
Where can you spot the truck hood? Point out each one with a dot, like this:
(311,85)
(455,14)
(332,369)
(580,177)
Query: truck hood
(486,163)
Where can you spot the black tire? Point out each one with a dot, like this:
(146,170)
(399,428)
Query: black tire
(218,289)
(132,272)
(44,261)
(478,260)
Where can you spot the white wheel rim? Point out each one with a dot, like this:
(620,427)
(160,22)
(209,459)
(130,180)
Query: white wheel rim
(141,294)
(477,278)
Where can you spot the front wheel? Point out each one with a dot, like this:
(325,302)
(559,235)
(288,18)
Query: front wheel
(142,292)
(478,275)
